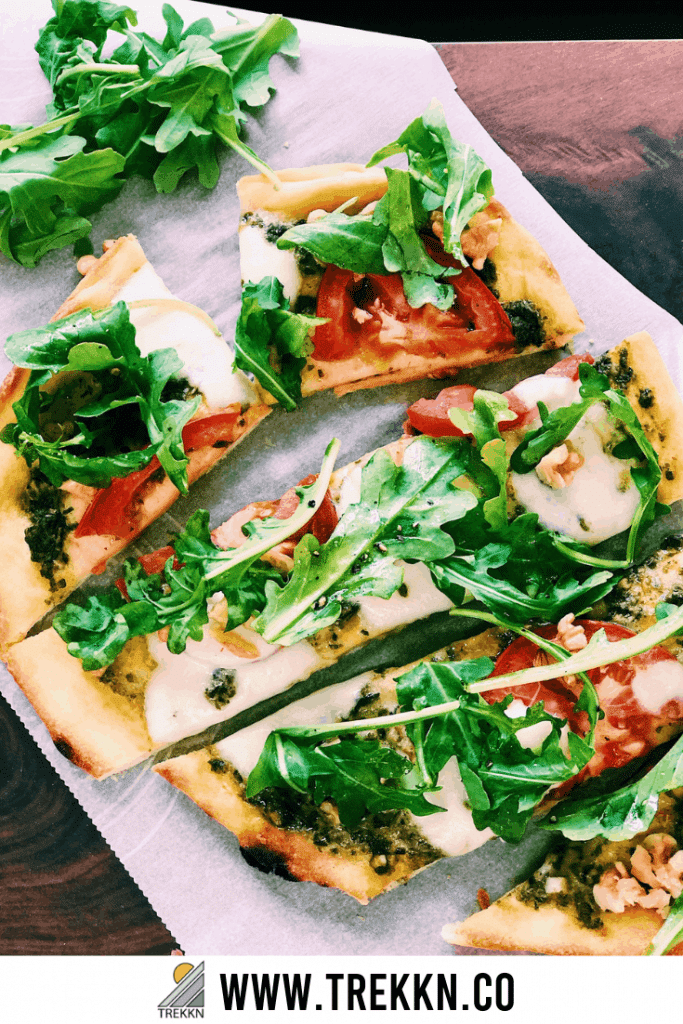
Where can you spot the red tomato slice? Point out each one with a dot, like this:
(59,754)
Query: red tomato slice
(370,312)
(324,521)
(112,512)
(430,415)
(627,730)
(569,367)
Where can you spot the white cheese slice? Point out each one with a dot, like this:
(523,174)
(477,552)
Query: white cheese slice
(602,498)
(260,258)
(176,704)
(422,598)
(657,684)
(207,357)
(243,749)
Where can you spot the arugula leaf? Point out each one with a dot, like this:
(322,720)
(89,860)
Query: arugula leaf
(271,342)
(519,574)
(97,632)
(45,187)
(165,108)
(441,172)
(617,813)
(352,773)
(352,243)
(399,516)
(101,345)
(449,173)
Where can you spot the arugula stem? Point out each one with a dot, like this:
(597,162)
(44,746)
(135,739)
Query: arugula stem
(86,69)
(33,133)
(249,155)
(602,563)
(366,724)
(595,655)
(299,518)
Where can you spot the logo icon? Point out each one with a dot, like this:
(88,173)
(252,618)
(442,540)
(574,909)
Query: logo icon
(187,998)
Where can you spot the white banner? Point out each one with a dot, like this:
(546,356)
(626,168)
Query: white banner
(141,990)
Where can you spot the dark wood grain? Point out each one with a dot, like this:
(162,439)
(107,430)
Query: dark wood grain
(594,127)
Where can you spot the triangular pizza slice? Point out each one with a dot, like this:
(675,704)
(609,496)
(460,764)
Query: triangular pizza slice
(111,410)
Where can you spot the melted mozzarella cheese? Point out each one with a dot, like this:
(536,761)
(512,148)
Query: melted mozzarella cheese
(207,357)
(657,684)
(453,831)
(260,258)
(533,736)
(243,749)
(601,499)
(176,704)
(379,615)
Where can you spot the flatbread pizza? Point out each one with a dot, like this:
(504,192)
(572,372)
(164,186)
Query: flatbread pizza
(404,281)
(109,435)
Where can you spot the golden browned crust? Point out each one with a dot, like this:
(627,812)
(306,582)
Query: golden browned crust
(98,729)
(25,595)
(658,405)
(303,189)
(524,271)
(510,924)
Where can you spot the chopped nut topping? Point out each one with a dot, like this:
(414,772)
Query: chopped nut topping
(481,238)
(572,637)
(656,863)
(558,467)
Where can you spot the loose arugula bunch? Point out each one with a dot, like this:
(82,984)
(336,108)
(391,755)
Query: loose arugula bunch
(155,108)
(178,599)
(271,342)
(442,174)
(504,779)
(73,441)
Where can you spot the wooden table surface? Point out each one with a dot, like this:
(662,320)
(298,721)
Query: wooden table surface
(598,129)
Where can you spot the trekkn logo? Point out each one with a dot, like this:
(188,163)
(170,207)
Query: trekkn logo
(187,998)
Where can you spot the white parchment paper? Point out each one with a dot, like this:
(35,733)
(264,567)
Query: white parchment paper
(348,94)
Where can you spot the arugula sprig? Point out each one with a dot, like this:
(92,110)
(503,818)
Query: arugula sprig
(101,345)
(97,632)
(155,108)
(556,427)
(399,516)
(271,342)
(441,173)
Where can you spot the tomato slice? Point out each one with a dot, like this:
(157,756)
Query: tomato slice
(627,730)
(370,312)
(324,521)
(112,512)
(569,367)
(430,415)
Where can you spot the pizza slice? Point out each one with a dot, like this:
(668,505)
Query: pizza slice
(589,898)
(434,759)
(221,621)
(109,412)
(408,274)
